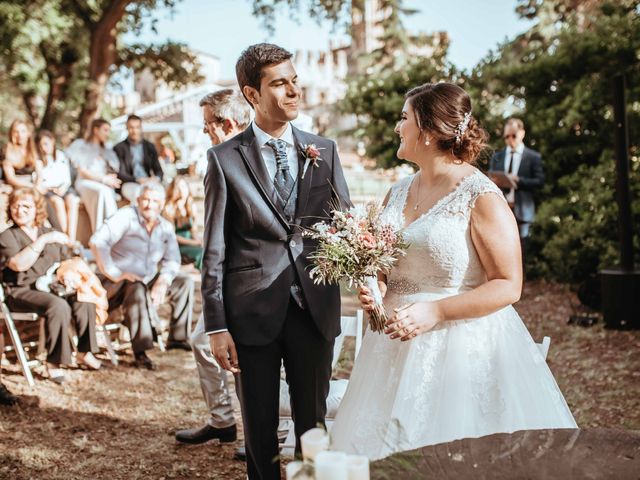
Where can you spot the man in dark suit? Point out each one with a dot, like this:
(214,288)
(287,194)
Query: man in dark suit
(260,306)
(138,160)
(524,168)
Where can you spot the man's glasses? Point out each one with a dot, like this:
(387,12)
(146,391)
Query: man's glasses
(508,136)
(207,124)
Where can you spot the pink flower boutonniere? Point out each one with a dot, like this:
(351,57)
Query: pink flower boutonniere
(312,156)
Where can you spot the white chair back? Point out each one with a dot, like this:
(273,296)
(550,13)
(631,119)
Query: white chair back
(350,326)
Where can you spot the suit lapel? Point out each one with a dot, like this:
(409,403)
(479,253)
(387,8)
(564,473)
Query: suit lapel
(525,158)
(250,152)
(304,184)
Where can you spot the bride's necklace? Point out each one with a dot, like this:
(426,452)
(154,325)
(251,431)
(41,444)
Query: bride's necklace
(431,190)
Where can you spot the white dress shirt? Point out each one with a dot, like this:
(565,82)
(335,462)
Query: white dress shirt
(517,158)
(269,156)
(125,246)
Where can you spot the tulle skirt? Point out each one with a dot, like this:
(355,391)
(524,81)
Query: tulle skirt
(467,378)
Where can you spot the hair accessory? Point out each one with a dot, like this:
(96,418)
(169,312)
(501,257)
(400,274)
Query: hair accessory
(462,126)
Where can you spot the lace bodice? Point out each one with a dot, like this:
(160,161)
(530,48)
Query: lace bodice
(441,253)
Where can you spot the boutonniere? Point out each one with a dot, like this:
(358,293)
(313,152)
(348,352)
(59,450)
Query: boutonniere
(312,156)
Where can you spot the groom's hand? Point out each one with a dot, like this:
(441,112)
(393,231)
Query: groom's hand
(224,350)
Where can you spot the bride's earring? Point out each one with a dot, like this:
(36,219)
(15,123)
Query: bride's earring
(427,142)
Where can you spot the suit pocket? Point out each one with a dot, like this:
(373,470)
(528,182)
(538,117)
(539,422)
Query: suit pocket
(245,268)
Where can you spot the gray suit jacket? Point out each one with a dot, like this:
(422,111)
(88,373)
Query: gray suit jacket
(531,173)
(252,255)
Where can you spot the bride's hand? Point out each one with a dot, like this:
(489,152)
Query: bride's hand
(365,297)
(414,319)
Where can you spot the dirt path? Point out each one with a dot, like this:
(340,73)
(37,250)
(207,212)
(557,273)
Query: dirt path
(119,422)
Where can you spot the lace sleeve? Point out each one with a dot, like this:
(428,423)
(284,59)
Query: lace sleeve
(483,186)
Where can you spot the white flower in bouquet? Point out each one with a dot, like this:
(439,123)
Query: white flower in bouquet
(354,247)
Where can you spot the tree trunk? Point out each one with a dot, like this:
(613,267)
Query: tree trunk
(102,55)
(30,101)
(58,76)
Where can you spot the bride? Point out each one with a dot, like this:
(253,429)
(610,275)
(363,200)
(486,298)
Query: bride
(455,361)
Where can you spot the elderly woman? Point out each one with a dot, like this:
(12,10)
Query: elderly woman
(27,252)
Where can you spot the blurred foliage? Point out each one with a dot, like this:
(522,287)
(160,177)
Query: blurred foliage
(576,230)
(46,54)
(557,78)
(332,10)
(384,95)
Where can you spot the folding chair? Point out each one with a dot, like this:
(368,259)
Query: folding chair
(9,320)
(350,326)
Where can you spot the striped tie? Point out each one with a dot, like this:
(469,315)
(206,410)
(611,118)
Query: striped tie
(282,181)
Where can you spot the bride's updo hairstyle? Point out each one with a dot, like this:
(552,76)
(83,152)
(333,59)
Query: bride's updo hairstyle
(444,111)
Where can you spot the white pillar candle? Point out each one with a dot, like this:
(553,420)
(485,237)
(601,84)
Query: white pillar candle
(331,466)
(313,442)
(358,467)
(293,468)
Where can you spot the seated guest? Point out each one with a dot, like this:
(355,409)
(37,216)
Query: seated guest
(56,182)
(6,397)
(138,160)
(181,212)
(27,252)
(20,163)
(97,166)
(137,254)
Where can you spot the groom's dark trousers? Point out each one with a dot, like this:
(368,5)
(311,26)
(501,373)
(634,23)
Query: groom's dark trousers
(307,362)
(256,284)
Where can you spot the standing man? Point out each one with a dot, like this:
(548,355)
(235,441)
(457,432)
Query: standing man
(523,167)
(262,188)
(226,114)
(139,261)
(138,160)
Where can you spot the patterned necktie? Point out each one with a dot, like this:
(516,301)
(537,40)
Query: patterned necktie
(282,181)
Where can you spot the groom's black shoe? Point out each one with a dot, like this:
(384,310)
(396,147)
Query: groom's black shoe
(206,433)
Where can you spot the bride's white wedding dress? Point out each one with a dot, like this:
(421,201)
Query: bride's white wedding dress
(465,378)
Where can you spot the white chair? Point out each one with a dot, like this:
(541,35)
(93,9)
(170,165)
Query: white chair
(351,326)
(544,346)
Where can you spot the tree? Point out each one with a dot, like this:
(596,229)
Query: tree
(377,101)
(559,73)
(78,47)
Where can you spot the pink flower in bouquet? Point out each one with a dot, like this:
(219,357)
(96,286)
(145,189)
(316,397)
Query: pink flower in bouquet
(333,230)
(367,240)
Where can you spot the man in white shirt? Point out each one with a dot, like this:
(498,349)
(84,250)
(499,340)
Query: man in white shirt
(523,166)
(139,261)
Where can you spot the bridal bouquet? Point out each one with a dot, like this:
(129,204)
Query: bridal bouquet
(355,246)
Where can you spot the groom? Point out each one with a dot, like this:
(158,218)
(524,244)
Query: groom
(262,188)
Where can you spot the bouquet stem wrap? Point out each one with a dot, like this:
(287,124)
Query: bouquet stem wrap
(378,316)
